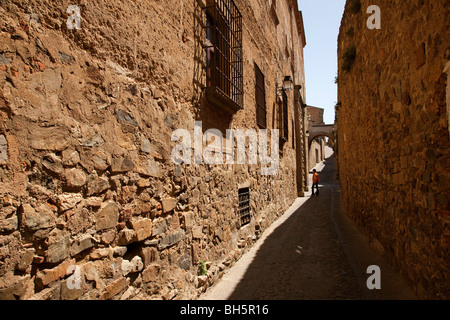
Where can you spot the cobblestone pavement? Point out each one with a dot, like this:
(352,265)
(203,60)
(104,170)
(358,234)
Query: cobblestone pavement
(312,252)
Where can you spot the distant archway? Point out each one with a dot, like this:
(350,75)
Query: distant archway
(326,130)
(316,151)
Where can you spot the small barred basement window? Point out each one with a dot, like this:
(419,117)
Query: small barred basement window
(244,205)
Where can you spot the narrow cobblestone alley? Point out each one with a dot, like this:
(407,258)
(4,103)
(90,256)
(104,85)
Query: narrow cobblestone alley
(312,252)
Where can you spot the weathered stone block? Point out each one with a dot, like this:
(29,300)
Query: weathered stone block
(170,240)
(70,157)
(126,236)
(94,202)
(148,254)
(26,259)
(113,90)
(168,294)
(174,222)
(129,293)
(197,232)
(148,167)
(152,243)
(108,236)
(188,220)
(96,185)
(74,177)
(58,246)
(66,201)
(195,195)
(119,251)
(79,220)
(91,271)
(124,116)
(52,293)
(49,138)
(157,94)
(159,227)
(185,262)
(145,145)
(82,243)
(142,228)
(95,139)
(151,273)
(101,160)
(195,252)
(9,225)
(3,150)
(107,217)
(69,293)
(143,183)
(100,253)
(47,276)
(202,281)
(65,58)
(114,288)
(21,288)
(53,163)
(168,204)
(135,265)
(37,219)
(122,164)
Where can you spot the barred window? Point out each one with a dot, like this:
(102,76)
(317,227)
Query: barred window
(293,134)
(260,97)
(223,46)
(244,205)
(283,118)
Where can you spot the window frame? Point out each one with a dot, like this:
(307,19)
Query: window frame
(224,54)
(283,118)
(244,211)
(260,98)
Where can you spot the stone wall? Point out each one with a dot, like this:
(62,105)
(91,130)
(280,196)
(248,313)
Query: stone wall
(393,134)
(89,194)
(315,115)
(316,152)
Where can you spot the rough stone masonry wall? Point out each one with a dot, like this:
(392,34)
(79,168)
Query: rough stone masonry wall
(393,134)
(88,190)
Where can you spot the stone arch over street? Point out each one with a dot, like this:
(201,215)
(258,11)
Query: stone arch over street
(326,130)
(316,132)
(317,143)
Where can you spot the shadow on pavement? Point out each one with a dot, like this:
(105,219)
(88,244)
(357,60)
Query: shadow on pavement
(317,253)
(302,258)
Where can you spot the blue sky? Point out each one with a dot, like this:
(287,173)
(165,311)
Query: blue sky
(322,19)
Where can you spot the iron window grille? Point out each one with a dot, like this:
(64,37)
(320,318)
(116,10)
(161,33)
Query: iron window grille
(260,97)
(224,55)
(244,206)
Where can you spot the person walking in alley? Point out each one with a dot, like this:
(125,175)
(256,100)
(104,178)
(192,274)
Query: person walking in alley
(315,180)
